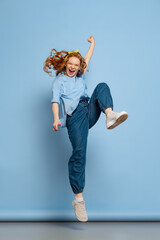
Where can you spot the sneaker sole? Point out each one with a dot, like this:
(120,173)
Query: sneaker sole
(119,120)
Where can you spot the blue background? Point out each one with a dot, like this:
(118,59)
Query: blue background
(123,164)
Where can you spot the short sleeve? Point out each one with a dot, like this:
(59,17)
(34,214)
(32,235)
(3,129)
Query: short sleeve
(56,90)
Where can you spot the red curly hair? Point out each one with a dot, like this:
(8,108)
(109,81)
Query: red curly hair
(59,59)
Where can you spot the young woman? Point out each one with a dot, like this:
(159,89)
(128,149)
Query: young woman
(73,108)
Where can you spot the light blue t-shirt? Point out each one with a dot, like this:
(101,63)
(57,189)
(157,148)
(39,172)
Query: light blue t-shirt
(67,91)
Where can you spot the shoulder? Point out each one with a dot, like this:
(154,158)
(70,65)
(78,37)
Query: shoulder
(58,79)
(83,76)
(57,82)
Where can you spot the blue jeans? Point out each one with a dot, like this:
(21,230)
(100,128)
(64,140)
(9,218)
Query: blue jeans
(83,118)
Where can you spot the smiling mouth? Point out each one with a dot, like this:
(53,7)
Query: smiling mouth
(71,71)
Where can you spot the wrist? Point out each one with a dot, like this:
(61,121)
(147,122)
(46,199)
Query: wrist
(93,43)
(56,118)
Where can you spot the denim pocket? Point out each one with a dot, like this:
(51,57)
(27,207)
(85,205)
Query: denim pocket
(82,107)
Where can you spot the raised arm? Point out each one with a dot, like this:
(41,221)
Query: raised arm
(90,51)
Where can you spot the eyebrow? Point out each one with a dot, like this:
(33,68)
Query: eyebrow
(73,63)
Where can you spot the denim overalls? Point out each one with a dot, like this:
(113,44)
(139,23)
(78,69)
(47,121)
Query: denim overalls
(83,118)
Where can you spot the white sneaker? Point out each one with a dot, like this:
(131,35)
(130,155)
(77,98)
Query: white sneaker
(80,211)
(115,118)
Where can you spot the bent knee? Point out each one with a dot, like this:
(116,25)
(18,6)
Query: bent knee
(102,85)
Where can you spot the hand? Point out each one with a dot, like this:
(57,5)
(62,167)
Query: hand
(56,124)
(91,39)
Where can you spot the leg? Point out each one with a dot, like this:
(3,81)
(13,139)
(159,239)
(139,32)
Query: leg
(77,126)
(101,101)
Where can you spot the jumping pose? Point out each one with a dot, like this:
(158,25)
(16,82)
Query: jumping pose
(73,108)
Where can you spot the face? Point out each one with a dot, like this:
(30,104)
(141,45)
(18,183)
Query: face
(72,66)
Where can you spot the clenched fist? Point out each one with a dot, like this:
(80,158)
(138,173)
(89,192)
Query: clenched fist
(56,124)
(91,39)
